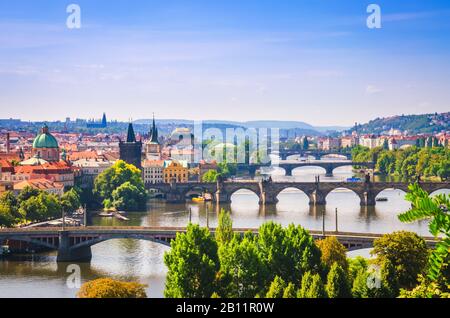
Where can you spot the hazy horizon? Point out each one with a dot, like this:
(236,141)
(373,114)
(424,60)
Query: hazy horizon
(310,61)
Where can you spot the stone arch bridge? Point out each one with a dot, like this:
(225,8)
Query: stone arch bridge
(289,166)
(74,244)
(268,192)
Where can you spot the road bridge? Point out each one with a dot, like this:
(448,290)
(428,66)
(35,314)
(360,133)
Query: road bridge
(74,244)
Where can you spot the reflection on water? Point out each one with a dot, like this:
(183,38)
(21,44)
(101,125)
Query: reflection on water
(41,276)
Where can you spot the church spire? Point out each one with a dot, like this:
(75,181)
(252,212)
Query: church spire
(154,131)
(131,137)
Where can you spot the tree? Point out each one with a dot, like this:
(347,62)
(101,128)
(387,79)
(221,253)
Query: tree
(192,264)
(436,210)
(276,289)
(70,200)
(109,288)
(289,291)
(337,283)
(376,282)
(311,286)
(26,193)
(425,289)
(210,176)
(42,207)
(406,251)
(243,274)
(287,253)
(444,170)
(224,231)
(385,144)
(333,252)
(6,218)
(128,197)
(10,204)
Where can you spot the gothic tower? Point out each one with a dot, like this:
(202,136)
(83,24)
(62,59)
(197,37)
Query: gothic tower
(131,150)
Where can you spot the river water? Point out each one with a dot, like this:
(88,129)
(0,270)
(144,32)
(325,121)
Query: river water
(40,275)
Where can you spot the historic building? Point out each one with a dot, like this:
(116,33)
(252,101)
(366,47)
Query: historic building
(45,146)
(153,171)
(152,146)
(175,171)
(131,149)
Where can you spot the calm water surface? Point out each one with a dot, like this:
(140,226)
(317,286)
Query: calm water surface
(40,275)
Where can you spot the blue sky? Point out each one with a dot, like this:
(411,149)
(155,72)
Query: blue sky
(311,60)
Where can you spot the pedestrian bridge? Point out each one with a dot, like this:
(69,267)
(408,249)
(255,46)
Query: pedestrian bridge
(74,244)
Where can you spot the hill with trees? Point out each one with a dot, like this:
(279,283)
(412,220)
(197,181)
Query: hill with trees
(414,124)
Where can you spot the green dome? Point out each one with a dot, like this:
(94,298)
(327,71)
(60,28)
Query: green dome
(45,140)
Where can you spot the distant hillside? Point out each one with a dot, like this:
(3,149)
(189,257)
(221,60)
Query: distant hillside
(413,124)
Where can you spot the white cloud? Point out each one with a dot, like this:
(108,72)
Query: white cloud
(372,89)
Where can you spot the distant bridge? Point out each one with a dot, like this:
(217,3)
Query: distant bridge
(268,192)
(289,166)
(74,244)
(317,154)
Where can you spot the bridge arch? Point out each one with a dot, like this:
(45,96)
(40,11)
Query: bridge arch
(244,190)
(300,194)
(359,197)
(104,238)
(305,167)
(36,242)
(443,190)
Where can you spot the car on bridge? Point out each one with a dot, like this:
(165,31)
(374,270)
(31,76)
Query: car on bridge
(354,180)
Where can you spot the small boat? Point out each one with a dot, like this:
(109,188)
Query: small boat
(119,216)
(198,199)
(382,199)
(106,214)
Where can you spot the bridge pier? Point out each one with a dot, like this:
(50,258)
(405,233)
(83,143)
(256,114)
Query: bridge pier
(368,199)
(68,254)
(266,198)
(288,171)
(317,198)
(222,197)
(329,170)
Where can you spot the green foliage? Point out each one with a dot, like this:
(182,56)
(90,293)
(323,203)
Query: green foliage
(243,274)
(276,289)
(289,252)
(311,287)
(337,283)
(224,231)
(210,176)
(6,218)
(192,264)
(42,207)
(289,291)
(129,197)
(406,251)
(436,210)
(433,161)
(122,187)
(426,289)
(332,252)
(70,200)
